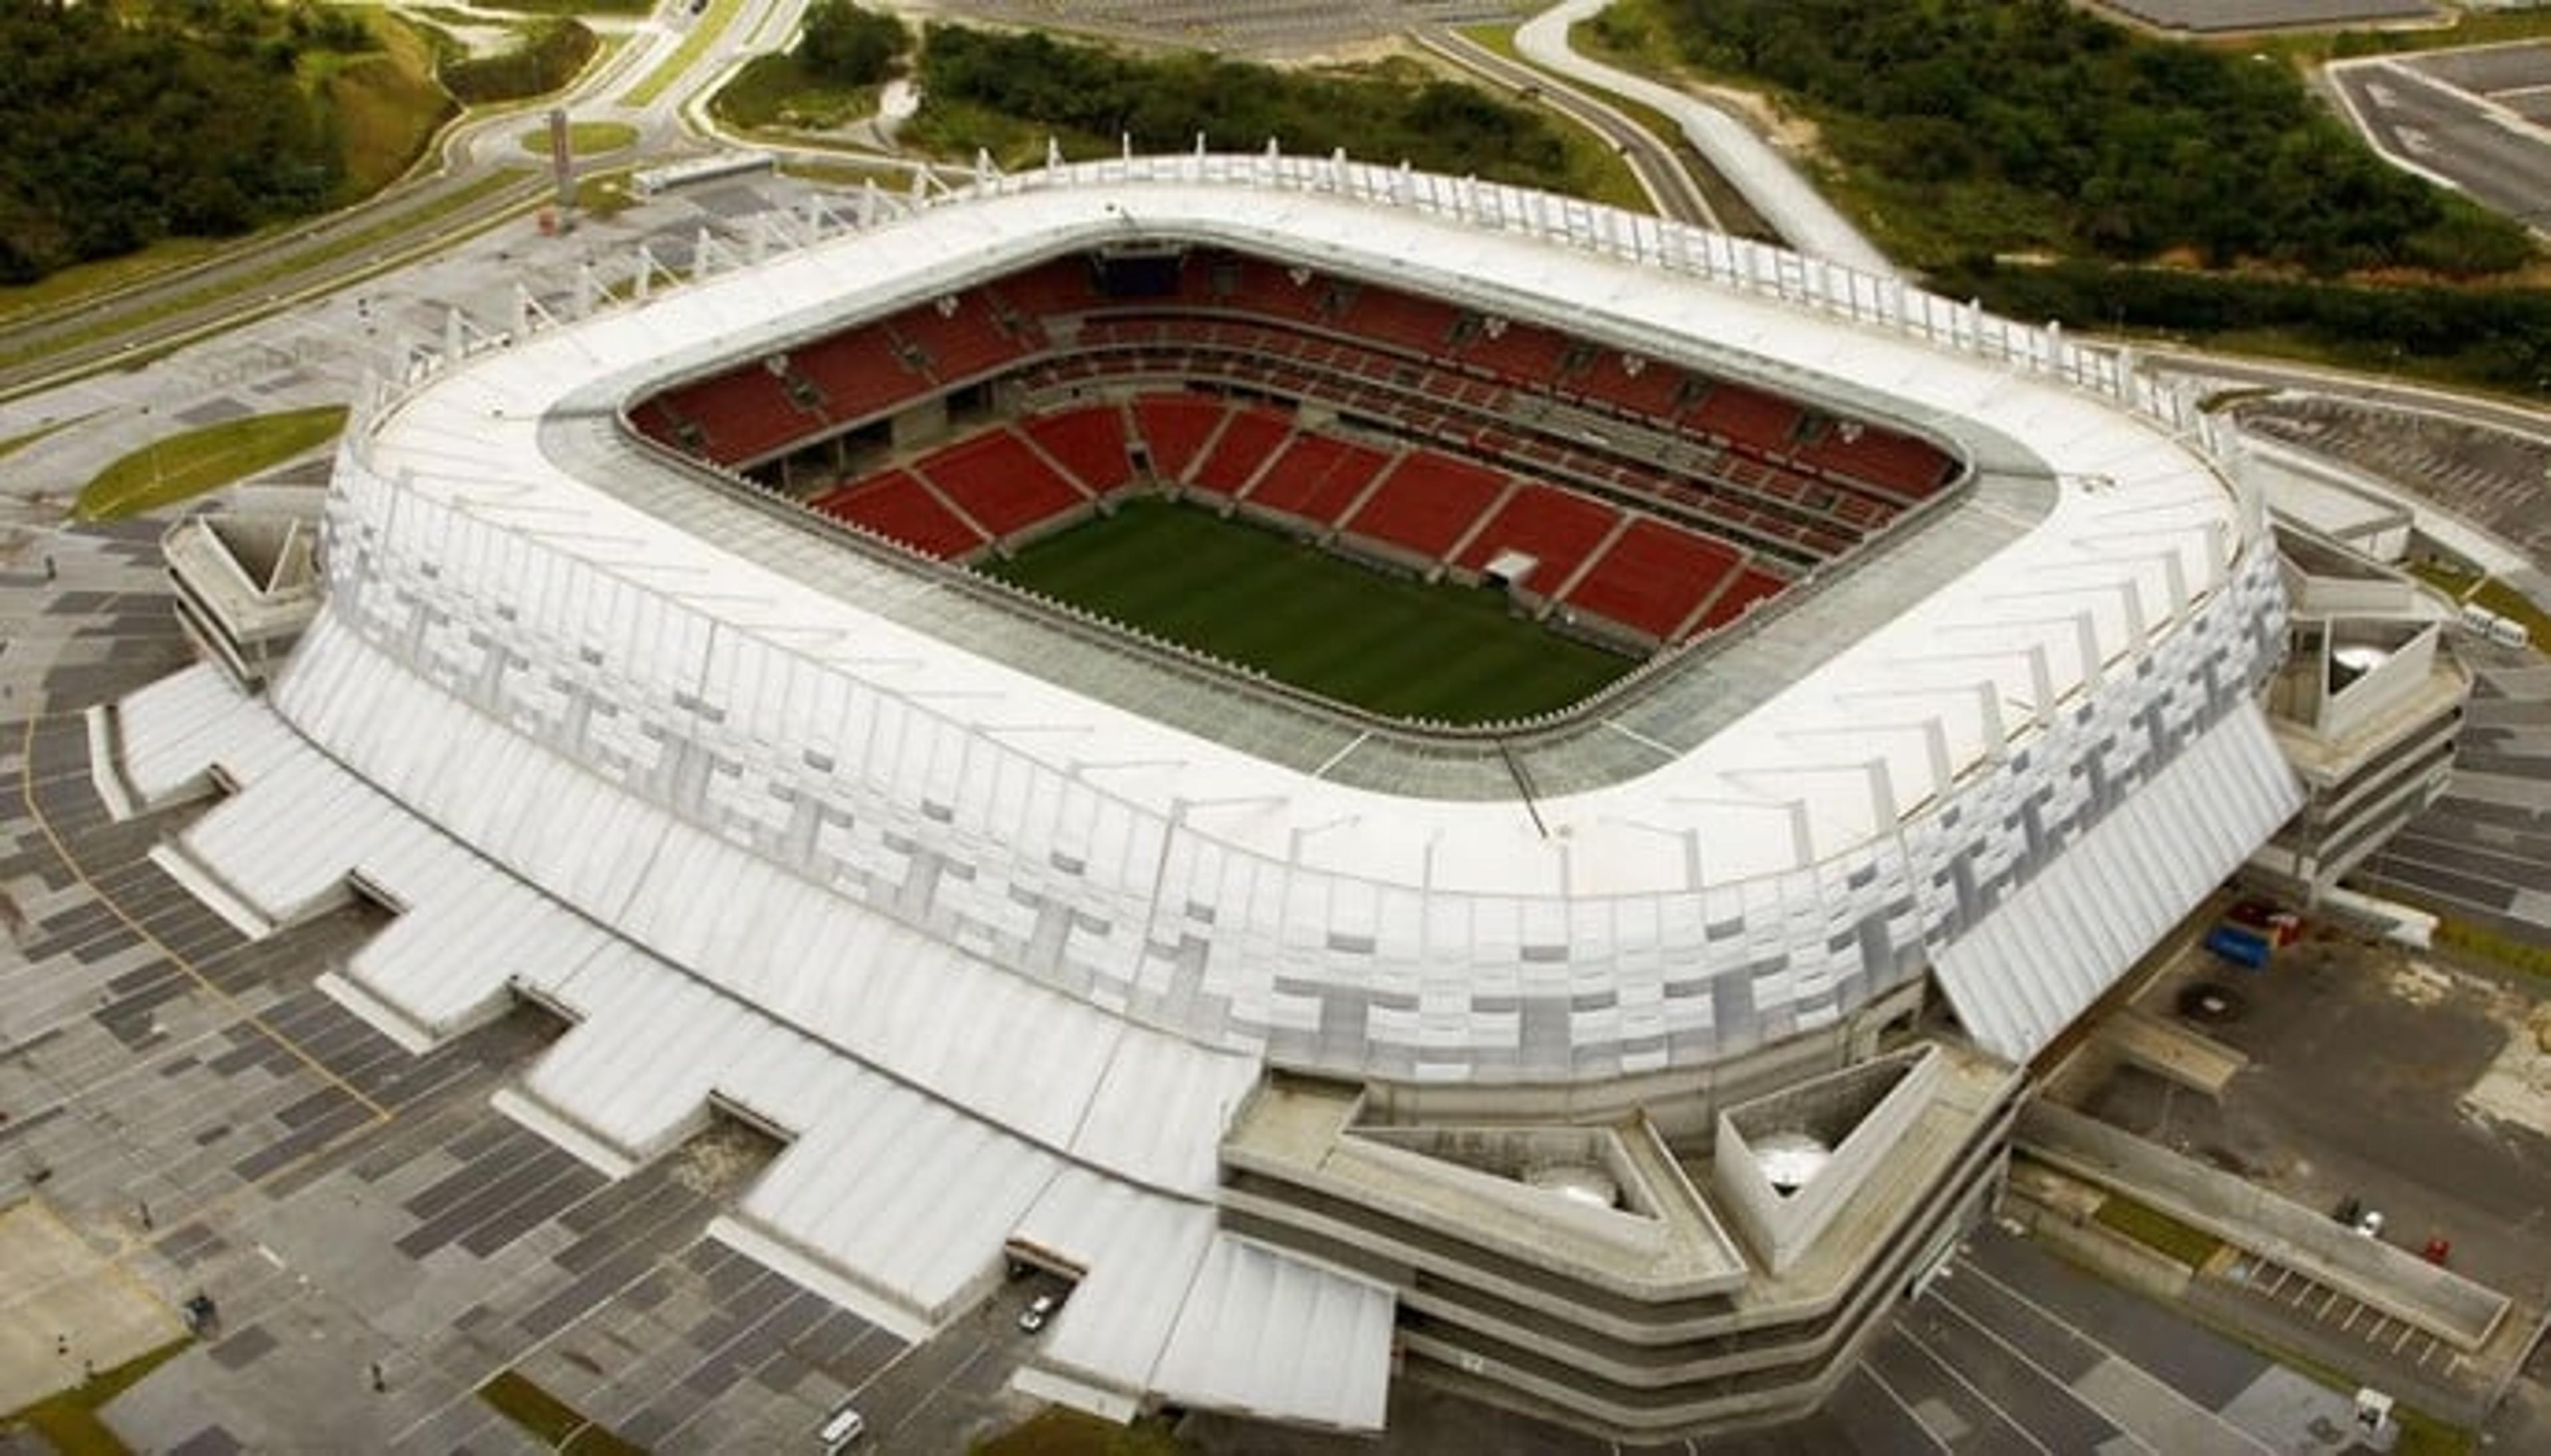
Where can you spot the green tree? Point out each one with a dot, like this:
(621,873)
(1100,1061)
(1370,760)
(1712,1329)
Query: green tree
(126,125)
(850,46)
(2032,125)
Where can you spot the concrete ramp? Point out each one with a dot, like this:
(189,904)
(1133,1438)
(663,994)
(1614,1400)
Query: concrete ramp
(2172,1052)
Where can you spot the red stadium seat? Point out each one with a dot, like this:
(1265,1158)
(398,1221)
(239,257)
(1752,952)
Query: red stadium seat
(858,373)
(1749,587)
(998,480)
(742,415)
(895,504)
(1241,449)
(1653,577)
(1176,429)
(1747,416)
(1053,289)
(1419,326)
(963,343)
(1652,392)
(1317,477)
(1557,528)
(1899,464)
(1089,443)
(1526,353)
(1427,501)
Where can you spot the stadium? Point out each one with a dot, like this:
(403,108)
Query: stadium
(829,687)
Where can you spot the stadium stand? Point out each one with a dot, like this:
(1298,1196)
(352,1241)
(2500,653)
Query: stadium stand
(1176,429)
(1241,449)
(1558,529)
(1867,457)
(1420,326)
(1055,289)
(1796,485)
(1318,477)
(1256,286)
(1652,577)
(1747,417)
(1426,502)
(741,415)
(1526,353)
(1653,392)
(962,339)
(997,480)
(857,374)
(1089,443)
(896,504)
(1750,586)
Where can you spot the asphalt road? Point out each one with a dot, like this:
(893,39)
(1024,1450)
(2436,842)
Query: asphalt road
(1669,183)
(2431,126)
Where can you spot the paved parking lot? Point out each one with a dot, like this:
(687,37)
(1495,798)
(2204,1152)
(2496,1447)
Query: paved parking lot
(2481,848)
(378,1240)
(2466,117)
(2009,1350)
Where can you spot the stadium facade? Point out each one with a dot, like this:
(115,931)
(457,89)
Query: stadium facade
(1626,1065)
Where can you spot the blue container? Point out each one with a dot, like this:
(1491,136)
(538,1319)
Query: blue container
(2240,946)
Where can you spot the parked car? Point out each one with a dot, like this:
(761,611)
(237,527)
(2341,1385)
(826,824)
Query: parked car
(1039,1310)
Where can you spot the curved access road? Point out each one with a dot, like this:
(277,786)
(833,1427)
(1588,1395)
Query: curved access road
(1795,210)
(1659,168)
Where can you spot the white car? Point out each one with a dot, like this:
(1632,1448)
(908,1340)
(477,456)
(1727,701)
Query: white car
(1039,1310)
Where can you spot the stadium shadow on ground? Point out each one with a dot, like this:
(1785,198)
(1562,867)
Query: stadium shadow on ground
(1257,597)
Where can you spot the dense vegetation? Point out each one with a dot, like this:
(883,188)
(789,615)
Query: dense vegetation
(550,55)
(2497,337)
(849,47)
(975,81)
(128,125)
(2017,125)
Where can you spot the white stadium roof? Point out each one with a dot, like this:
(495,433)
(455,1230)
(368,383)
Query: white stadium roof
(1003,954)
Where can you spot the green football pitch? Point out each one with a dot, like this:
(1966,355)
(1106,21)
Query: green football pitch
(1255,597)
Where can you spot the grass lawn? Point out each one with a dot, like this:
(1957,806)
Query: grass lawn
(198,461)
(552,1422)
(1255,597)
(778,90)
(2159,1232)
(1055,1432)
(79,281)
(68,1420)
(583,137)
(387,105)
(2488,591)
(16,442)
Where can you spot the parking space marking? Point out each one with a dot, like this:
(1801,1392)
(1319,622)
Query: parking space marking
(1941,1298)
(1870,1368)
(1906,1332)
(1970,1270)
(922,1404)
